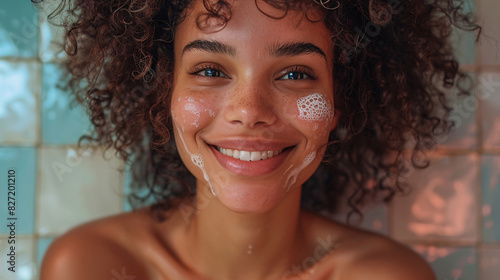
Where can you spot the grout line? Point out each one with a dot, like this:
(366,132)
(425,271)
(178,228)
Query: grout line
(19,59)
(38,160)
(479,139)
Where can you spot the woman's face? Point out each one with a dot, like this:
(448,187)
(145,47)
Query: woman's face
(252,105)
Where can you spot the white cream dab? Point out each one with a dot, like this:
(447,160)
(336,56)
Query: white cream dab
(196,159)
(249,251)
(314,107)
(210,112)
(292,177)
(193,110)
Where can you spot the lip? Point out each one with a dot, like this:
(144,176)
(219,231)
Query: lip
(251,168)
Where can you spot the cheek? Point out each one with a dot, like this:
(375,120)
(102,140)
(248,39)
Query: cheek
(191,113)
(314,112)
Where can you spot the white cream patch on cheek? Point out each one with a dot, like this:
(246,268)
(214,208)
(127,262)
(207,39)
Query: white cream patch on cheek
(191,108)
(292,177)
(195,158)
(314,107)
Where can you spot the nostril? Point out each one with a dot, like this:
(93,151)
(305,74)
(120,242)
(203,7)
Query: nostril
(250,116)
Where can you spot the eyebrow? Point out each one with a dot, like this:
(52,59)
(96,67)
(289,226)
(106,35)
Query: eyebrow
(210,46)
(278,50)
(296,48)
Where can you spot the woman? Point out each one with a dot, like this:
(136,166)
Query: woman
(276,108)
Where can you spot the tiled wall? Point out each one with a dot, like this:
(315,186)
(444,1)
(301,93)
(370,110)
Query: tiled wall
(450,218)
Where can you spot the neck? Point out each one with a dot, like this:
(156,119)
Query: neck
(230,244)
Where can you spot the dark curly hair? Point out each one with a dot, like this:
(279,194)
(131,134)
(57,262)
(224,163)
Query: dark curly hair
(393,63)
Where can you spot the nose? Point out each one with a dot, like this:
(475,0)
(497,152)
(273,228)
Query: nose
(250,105)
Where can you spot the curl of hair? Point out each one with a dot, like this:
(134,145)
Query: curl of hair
(393,63)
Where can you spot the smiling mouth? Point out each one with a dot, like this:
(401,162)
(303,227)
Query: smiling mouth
(250,155)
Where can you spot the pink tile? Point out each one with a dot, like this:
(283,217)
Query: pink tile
(374,217)
(442,204)
(457,263)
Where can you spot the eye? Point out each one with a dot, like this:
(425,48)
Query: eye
(297,73)
(209,71)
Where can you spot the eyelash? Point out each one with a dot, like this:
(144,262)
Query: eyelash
(195,70)
(294,69)
(301,70)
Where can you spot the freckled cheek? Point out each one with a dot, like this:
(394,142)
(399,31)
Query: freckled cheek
(192,113)
(312,113)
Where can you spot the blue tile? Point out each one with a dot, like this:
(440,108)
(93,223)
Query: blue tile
(22,160)
(63,119)
(25,267)
(43,245)
(463,114)
(18,29)
(18,103)
(127,190)
(489,263)
(52,33)
(490,175)
(490,21)
(464,41)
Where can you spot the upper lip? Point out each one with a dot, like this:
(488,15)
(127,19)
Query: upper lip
(245,144)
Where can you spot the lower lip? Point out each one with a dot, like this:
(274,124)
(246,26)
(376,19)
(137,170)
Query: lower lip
(250,168)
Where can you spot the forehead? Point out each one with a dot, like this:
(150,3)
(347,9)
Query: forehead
(250,27)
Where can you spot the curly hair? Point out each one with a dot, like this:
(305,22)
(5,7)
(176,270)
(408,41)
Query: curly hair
(393,62)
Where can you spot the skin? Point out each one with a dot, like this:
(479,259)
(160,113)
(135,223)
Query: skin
(239,227)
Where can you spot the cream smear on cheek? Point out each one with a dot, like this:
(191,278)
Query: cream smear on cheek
(314,108)
(292,177)
(197,159)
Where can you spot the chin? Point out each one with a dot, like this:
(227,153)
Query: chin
(251,199)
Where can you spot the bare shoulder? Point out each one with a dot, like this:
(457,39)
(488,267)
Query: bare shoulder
(368,255)
(93,251)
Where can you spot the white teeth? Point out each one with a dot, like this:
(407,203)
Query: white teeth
(264,155)
(249,155)
(254,156)
(244,155)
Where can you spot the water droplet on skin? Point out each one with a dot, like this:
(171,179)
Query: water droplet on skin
(249,251)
